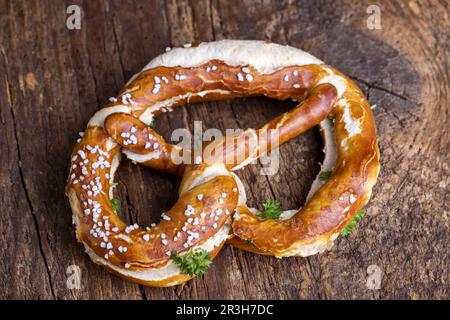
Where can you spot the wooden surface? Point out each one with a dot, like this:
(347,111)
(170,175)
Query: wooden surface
(52,80)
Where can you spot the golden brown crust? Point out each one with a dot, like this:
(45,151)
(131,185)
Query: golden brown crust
(167,282)
(216,75)
(148,141)
(336,202)
(318,103)
(246,245)
(194,218)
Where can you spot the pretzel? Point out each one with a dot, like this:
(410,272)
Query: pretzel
(209,194)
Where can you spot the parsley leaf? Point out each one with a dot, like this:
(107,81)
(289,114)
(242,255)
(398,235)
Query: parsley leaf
(272,210)
(325,175)
(193,263)
(115,204)
(249,242)
(352,224)
(330,117)
(113,184)
(152,123)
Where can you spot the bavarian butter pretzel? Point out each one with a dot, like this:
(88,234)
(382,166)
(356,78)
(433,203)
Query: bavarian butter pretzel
(351,154)
(210,192)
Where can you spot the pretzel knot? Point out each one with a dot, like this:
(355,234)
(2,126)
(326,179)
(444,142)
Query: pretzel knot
(211,207)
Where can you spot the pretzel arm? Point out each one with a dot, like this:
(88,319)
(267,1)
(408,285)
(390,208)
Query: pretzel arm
(142,144)
(313,228)
(252,144)
(160,89)
(317,105)
(150,149)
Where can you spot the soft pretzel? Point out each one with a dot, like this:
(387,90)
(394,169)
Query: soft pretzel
(351,154)
(201,219)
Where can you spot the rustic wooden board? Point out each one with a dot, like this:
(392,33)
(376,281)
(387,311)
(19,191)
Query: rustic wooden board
(52,80)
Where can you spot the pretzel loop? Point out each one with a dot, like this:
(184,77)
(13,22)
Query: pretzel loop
(209,194)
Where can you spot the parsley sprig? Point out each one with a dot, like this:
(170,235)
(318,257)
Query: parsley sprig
(115,204)
(152,123)
(272,210)
(193,262)
(352,224)
(325,175)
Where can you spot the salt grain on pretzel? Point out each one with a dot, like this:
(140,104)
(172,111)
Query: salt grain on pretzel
(197,223)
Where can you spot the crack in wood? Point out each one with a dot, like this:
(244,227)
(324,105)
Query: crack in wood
(178,290)
(240,267)
(375,86)
(313,276)
(116,40)
(211,18)
(129,205)
(27,195)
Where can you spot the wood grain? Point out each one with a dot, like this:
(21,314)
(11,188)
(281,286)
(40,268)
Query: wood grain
(52,80)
